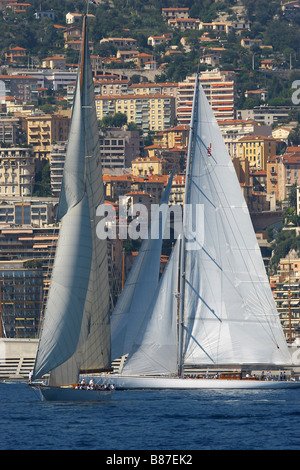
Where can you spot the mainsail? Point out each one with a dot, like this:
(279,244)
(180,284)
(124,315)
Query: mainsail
(141,284)
(229,314)
(76,327)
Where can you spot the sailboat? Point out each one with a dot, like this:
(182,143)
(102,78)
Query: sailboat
(75,335)
(213,310)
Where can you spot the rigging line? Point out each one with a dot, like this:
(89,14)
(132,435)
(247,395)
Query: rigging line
(199,346)
(201,298)
(199,189)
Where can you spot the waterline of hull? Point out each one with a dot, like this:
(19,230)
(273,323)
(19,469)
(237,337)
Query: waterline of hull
(160,383)
(71,394)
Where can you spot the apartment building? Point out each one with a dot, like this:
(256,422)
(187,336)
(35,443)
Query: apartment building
(174,158)
(217,26)
(283,171)
(34,245)
(129,44)
(103,86)
(151,112)
(21,299)
(57,163)
(27,211)
(17,171)
(118,148)
(174,137)
(111,87)
(257,149)
(177,190)
(167,89)
(22,87)
(266,114)
(43,129)
(184,23)
(148,166)
(55,62)
(172,13)
(234,129)
(286,291)
(11,132)
(14,106)
(116,186)
(219,88)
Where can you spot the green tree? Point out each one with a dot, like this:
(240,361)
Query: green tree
(42,186)
(116,120)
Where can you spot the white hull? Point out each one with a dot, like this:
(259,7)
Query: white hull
(176,383)
(71,394)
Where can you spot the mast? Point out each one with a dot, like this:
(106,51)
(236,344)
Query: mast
(186,201)
(289,304)
(123,268)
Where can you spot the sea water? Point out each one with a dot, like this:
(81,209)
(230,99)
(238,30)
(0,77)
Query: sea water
(152,420)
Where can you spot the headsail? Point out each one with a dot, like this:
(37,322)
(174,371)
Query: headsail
(140,286)
(230,315)
(154,349)
(76,330)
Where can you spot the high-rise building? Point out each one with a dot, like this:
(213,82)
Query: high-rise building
(151,112)
(257,149)
(21,284)
(43,129)
(118,148)
(219,88)
(17,171)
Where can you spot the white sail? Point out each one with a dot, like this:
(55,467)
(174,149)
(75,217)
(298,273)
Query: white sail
(230,316)
(155,348)
(75,330)
(140,286)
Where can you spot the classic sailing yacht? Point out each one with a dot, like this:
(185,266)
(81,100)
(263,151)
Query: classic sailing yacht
(75,335)
(227,318)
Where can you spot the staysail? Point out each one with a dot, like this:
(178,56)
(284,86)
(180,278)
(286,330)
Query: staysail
(154,349)
(76,329)
(140,286)
(229,313)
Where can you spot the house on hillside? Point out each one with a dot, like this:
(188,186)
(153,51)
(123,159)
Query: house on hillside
(56,62)
(15,55)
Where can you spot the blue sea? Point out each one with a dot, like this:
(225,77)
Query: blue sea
(152,420)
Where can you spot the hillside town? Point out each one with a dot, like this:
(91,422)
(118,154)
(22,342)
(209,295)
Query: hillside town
(143,112)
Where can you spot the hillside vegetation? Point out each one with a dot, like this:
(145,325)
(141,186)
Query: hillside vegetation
(141,18)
